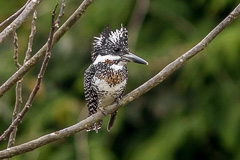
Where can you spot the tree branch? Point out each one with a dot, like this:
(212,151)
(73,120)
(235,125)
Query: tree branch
(61,13)
(151,83)
(31,36)
(29,102)
(18,91)
(38,56)
(19,20)
(13,16)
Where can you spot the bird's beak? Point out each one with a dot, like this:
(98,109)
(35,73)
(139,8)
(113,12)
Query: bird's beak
(133,58)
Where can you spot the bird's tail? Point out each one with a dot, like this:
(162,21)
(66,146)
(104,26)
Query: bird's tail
(111,121)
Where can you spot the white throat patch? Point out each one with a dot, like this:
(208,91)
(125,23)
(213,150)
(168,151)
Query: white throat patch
(106,57)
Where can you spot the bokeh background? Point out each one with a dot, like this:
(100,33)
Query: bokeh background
(193,114)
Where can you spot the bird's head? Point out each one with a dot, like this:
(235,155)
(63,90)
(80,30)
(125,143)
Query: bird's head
(113,45)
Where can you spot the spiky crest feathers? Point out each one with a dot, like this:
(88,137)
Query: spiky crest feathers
(109,42)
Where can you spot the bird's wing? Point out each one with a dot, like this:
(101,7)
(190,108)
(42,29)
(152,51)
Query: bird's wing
(90,94)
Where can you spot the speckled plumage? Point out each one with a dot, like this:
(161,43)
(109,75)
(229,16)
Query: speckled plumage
(106,78)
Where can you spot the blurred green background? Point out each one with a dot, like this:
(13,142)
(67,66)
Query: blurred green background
(193,114)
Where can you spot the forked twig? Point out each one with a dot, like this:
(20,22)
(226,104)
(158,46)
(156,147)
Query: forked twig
(31,36)
(61,13)
(39,79)
(19,20)
(40,54)
(18,101)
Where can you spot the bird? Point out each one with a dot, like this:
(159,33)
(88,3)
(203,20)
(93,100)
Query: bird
(106,78)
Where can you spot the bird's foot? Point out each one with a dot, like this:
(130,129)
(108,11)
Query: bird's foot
(95,127)
(102,110)
(118,101)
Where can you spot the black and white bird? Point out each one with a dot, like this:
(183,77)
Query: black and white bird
(106,78)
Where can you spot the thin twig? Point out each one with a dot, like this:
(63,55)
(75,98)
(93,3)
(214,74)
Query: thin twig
(163,74)
(15,56)
(13,16)
(19,20)
(39,79)
(18,101)
(31,37)
(39,55)
(16,110)
(61,13)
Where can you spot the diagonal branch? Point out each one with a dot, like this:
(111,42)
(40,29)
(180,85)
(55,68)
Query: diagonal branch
(19,101)
(12,17)
(31,97)
(15,56)
(19,20)
(38,56)
(151,83)
(60,14)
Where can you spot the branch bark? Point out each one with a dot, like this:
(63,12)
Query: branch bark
(151,83)
(18,101)
(39,55)
(12,17)
(31,37)
(31,97)
(19,20)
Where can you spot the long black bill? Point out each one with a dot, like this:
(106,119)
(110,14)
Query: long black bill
(133,58)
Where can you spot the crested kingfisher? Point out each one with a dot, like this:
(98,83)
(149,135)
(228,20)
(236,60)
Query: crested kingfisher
(106,78)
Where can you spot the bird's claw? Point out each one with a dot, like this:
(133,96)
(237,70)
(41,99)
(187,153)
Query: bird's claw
(102,110)
(118,101)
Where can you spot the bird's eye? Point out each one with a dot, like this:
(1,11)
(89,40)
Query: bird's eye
(116,49)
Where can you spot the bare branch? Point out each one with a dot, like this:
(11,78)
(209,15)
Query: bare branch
(13,16)
(19,20)
(38,56)
(16,110)
(61,13)
(38,82)
(31,36)
(15,56)
(163,74)
(18,101)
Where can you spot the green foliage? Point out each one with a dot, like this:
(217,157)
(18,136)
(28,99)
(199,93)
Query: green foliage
(194,114)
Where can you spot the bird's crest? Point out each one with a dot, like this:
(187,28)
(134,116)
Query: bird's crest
(110,42)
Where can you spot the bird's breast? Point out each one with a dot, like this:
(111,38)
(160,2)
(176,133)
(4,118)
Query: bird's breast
(109,85)
(111,82)
(111,78)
